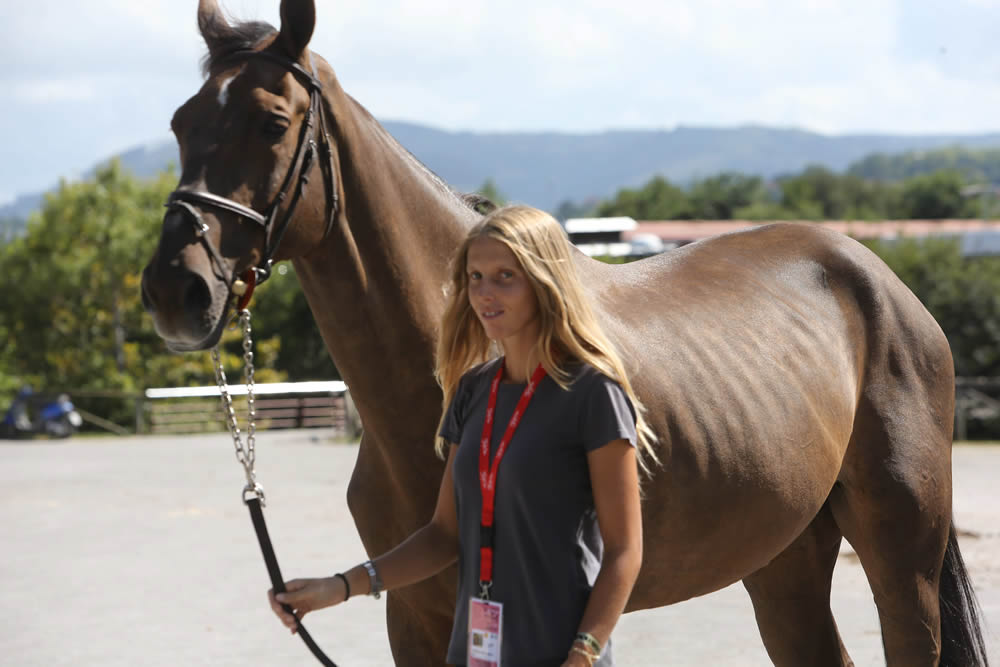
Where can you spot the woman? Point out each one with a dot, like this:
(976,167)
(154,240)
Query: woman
(548,561)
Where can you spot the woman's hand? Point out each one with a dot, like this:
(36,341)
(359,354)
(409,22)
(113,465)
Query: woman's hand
(306,595)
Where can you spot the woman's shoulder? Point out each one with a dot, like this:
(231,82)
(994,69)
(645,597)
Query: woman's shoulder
(480,373)
(583,376)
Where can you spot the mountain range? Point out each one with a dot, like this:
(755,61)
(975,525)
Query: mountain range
(545,169)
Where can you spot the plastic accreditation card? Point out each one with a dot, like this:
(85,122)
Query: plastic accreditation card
(485,632)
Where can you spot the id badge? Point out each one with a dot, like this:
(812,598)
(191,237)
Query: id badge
(485,632)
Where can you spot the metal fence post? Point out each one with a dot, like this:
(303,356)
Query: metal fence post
(140,408)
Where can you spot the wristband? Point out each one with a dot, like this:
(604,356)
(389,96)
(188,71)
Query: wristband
(586,654)
(347,585)
(590,641)
(375,584)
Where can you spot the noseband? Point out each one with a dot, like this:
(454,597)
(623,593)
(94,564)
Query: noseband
(305,154)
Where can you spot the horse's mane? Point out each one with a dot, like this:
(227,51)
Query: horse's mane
(225,40)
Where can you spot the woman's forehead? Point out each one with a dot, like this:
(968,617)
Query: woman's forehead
(484,250)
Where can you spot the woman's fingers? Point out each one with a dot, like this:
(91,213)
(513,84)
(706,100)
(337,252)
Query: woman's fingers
(286,619)
(303,596)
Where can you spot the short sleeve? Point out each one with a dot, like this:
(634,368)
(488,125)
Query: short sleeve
(607,414)
(457,412)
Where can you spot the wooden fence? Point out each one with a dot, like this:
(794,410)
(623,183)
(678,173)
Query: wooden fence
(328,405)
(196,415)
(276,406)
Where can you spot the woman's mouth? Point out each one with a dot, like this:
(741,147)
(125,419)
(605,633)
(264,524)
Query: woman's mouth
(491,314)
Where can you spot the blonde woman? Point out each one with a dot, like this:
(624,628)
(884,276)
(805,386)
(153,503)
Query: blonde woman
(539,502)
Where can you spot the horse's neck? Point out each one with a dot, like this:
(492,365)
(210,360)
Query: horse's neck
(375,284)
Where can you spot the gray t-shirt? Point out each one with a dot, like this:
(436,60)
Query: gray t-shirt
(548,546)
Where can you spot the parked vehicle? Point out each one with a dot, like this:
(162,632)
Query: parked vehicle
(29,415)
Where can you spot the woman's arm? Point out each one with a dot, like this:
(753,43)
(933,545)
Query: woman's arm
(615,480)
(423,554)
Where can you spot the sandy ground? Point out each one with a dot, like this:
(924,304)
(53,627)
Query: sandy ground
(138,551)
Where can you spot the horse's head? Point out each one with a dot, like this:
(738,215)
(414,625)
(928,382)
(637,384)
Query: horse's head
(249,141)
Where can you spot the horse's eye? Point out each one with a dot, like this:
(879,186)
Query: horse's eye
(275,127)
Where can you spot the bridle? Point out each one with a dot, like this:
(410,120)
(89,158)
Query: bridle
(189,201)
(311,140)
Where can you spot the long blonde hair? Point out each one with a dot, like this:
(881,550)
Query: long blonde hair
(568,328)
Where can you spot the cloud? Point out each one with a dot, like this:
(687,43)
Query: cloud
(54,91)
(108,72)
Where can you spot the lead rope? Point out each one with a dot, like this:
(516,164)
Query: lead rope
(253,492)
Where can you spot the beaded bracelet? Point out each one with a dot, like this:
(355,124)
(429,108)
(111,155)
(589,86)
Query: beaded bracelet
(590,641)
(586,654)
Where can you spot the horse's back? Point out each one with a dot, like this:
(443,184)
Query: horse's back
(751,353)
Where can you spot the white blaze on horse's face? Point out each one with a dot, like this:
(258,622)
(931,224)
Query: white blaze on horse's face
(224,92)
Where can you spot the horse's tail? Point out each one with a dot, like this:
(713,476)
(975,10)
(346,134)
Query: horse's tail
(962,643)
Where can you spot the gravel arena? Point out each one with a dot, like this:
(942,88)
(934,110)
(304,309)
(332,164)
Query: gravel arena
(138,551)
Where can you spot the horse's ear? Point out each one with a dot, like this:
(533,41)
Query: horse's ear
(298,18)
(212,24)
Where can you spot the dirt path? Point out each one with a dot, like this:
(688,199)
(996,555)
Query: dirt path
(138,552)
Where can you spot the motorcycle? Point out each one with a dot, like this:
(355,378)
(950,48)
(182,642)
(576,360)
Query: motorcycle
(27,416)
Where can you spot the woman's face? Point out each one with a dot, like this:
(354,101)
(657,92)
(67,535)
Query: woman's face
(501,295)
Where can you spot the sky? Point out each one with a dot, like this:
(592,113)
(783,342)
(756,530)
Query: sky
(85,80)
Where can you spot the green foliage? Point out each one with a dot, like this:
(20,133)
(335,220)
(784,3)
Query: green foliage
(568,209)
(657,200)
(72,319)
(817,193)
(962,295)
(935,196)
(719,197)
(10,228)
(974,165)
(820,194)
(281,312)
(490,190)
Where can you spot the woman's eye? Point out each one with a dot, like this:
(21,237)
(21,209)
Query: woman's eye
(475,275)
(506,275)
(275,127)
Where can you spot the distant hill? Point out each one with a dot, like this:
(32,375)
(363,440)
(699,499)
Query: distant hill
(976,165)
(547,168)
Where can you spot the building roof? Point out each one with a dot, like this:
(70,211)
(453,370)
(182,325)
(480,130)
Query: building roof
(597,225)
(686,231)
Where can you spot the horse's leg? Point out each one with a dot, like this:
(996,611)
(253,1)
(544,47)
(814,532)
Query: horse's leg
(418,638)
(893,504)
(791,599)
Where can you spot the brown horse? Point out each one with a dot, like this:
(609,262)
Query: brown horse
(801,394)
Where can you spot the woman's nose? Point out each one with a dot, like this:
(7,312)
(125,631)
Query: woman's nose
(483,291)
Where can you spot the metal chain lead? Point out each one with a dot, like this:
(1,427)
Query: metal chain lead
(245,455)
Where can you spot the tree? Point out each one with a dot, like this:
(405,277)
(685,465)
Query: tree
(719,197)
(490,190)
(75,320)
(815,194)
(935,196)
(962,295)
(569,209)
(657,200)
(10,227)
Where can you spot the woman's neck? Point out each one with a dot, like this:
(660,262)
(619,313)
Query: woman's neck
(520,361)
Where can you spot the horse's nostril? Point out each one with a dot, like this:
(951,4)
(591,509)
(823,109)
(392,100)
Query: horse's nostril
(197,296)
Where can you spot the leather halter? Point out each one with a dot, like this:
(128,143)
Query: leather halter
(305,155)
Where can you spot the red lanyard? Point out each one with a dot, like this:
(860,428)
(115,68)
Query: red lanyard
(488,474)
